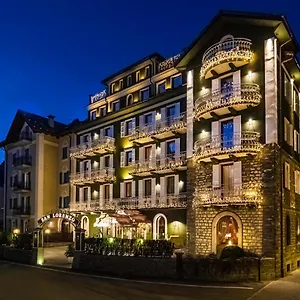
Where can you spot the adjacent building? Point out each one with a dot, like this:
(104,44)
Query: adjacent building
(201,148)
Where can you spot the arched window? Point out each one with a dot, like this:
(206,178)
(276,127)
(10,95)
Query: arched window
(85,224)
(298,231)
(226,231)
(160,227)
(129,100)
(288,230)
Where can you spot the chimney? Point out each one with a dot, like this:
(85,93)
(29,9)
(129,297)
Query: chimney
(51,121)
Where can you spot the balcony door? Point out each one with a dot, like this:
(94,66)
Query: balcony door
(226,89)
(227,180)
(227,134)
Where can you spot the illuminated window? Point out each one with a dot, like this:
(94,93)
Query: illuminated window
(137,76)
(298,231)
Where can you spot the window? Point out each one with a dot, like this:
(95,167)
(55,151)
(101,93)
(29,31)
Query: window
(64,152)
(14,158)
(148,151)
(102,111)
(128,189)
(66,177)
(147,183)
(297,182)
(148,119)
(171,113)
(298,231)
(147,72)
(288,230)
(287,176)
(121,84)
(113,88)
(145,94)
(129,100)
(160,227)
(63,177)
(171,148)
(227,134)
(128,127)
(296,101)
(106,161)
(86,138)
(170,185)
(26,153)
(128,158)
(129,80)
(161,87)
(176,81)
(137,76)
(108,131)
(15,204)
(116,106)
(93,115)
(66,202)
(106,192)
(227,180)
(85,194)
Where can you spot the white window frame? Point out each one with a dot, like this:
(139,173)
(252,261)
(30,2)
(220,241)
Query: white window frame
(125,124)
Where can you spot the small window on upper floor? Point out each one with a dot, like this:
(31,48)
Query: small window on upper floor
(64,152)
(102,111)
(121,84)
(14,158)
(108,131)
(148,119)
(116,106)
(86,138)
(129,80)
(93,115)
(128,158)
(138,76)
(147,72)
(145,94)
(161,87)
(129,100)
(113,88)
(128,127)
(176,81)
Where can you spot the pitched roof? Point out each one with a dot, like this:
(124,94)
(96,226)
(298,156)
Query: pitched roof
(38,124)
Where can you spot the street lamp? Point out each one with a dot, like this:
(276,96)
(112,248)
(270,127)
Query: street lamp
(16,231)
(47,232)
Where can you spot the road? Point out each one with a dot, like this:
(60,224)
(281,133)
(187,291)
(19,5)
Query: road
(31,283)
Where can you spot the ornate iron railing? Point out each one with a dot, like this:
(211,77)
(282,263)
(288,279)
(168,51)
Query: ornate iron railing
(236,49)
(93,176)
(107,143)
(246,93)
(219,144)
(224,196)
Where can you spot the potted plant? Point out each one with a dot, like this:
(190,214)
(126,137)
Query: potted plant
(70,252)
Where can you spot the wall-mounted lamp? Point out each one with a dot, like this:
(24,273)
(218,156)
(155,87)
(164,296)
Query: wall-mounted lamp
(250,75)
(250,123)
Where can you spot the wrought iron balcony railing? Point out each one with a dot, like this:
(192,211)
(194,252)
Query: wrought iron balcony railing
(22,161)
(99,146)
(21,186)
(160,129)
(93,176)
(21,211)
(224,196)
(235,50)
(220,146)
(90,205)
(238,97)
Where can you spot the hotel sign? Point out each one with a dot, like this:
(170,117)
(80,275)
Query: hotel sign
(57,215)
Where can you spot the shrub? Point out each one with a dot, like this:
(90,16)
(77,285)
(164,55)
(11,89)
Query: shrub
(70,252)
(232,253)
(5,238)
(23,241)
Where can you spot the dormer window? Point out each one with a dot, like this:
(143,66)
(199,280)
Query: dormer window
(129,80)
(176,81)
(113,88)
(161,87)
(93,115)
(121,84)
(138,76)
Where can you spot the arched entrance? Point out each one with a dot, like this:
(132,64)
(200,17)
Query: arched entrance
(160,227)
(54,253)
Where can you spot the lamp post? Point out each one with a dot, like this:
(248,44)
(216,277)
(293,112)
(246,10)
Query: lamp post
(47,232)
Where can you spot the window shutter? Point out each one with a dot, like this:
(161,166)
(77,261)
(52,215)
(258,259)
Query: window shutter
(133,125)
(141,191)
(102,133)
(141,154)
(177,109)
(215,134)
(163,115)
(287,175)
(122,129)
(176,183)
(102,162)
(177,148)
(237,81)
(141,122)
(162,153)
(216,182)
(291,135)
(295,179)
(237,174)
(111,191)
(237,131)
(295,140)
(153,186)
(215,85)
(286,128)
(101,196)
(111,161)
(81,194)
(133,188)
(153,155)
(133,155)
(122,189)
(122,155)
(162,187)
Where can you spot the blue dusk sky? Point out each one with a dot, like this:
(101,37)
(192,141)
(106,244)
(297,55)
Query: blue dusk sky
(54,53)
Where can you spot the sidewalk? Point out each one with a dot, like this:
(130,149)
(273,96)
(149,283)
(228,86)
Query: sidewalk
(287,288)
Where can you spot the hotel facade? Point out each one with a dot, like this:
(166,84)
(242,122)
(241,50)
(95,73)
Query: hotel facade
(201,148)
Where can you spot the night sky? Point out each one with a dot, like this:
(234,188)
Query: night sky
(54,53)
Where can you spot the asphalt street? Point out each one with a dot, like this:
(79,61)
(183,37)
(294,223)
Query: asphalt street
(26,282)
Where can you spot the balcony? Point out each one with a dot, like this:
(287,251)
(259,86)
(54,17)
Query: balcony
(95,176)
(21,187)
(96,147)
(95,205)
(162,129)
(225,101)
(225,56)
(24,139)
(222,196)
(168,201)
(221,147)
(22,162)
(21,211)
(165,165)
